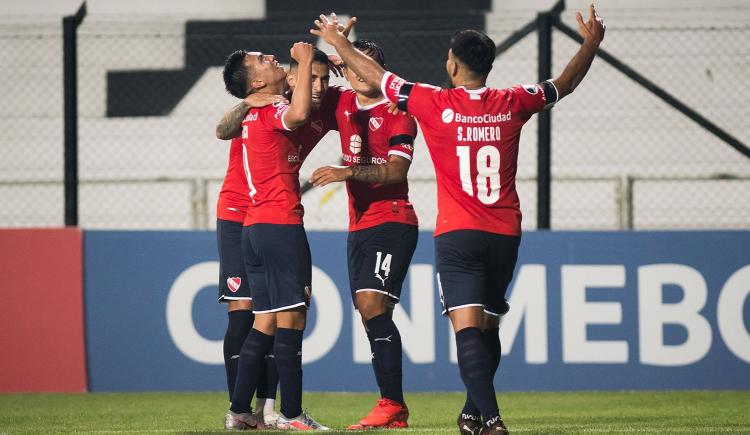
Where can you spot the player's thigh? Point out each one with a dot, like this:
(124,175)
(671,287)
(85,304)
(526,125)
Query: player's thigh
(285,253)
(502,255)
(233,282)
(255,272)
(461,272)
(379,258)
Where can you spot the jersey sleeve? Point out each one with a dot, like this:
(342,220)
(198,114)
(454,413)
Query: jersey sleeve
(531,99)
(417,99)
(273,116)
(402,133)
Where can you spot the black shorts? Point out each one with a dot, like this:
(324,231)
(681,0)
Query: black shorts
(474,268)
(233,285)
(282,255)
(379,258)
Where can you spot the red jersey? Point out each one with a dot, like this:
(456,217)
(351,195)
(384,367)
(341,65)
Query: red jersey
(233,198)
(472,136)
(272,157)
(369,136)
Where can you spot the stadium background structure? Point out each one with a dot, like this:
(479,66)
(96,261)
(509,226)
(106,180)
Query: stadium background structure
(621,155)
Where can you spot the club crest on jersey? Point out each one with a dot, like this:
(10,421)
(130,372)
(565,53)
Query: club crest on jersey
(375,123)
(234,283)
(355,144)
(317,126)
(531,89)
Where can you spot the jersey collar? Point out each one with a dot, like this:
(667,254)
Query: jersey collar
(369,106)
(474,94)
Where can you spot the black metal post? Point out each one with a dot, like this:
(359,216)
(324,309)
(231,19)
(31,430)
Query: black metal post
(544,161)
(70,108)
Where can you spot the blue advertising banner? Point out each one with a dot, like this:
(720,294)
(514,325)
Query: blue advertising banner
(589,311)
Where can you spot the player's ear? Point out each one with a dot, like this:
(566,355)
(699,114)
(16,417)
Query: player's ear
(257,84)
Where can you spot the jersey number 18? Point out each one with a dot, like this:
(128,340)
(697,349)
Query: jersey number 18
(488,172)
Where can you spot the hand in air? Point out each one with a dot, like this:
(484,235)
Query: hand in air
(302,52)
(593,29)
(329,29)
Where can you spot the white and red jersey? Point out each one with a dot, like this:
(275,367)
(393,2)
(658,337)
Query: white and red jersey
(472,136)
(370,136)
(272,157)
(233,197)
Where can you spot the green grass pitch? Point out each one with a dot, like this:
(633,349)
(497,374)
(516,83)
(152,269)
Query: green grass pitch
(579,412)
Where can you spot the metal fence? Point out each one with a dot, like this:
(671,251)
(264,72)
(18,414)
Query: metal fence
(150,93)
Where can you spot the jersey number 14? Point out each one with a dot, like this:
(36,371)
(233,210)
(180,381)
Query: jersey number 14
(487,180)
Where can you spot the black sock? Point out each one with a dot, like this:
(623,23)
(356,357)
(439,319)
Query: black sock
(288,356)
(256,346)
(491,339)
(386,342)
(270,379)
(375,368)
(238,326)
(475,365)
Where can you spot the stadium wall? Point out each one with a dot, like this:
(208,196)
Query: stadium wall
(590,311)
(41,297)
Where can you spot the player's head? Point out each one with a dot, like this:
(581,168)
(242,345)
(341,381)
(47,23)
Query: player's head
(320,76)
(246,72)
(374,51)
(470,55)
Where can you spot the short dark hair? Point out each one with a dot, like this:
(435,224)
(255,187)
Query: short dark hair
(318,56)
(371,49)
(236,74)
(474,49)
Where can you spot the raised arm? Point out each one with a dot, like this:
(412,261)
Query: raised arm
(393,171)
(365,67)
(301,105)
(592,32)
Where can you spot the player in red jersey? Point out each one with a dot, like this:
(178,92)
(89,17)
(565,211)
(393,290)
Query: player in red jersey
(233,202)
(234,290)
(377,149)
(275,247)
(472,133)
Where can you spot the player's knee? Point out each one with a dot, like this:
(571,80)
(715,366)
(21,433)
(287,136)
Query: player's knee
(293,319)
(240,305)
(490,322)
(371,304)
(265,323)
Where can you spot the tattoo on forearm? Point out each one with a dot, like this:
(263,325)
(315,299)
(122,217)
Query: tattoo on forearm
(369,173)
(230,124)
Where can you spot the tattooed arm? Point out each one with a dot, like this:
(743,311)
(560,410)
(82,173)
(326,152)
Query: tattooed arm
(393,171)
(230,124)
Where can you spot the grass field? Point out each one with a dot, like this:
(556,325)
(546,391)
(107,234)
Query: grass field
(597,412)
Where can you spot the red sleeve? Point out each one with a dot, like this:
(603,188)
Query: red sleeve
(417,99)
(273,116)
(528,99)
(402,133)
